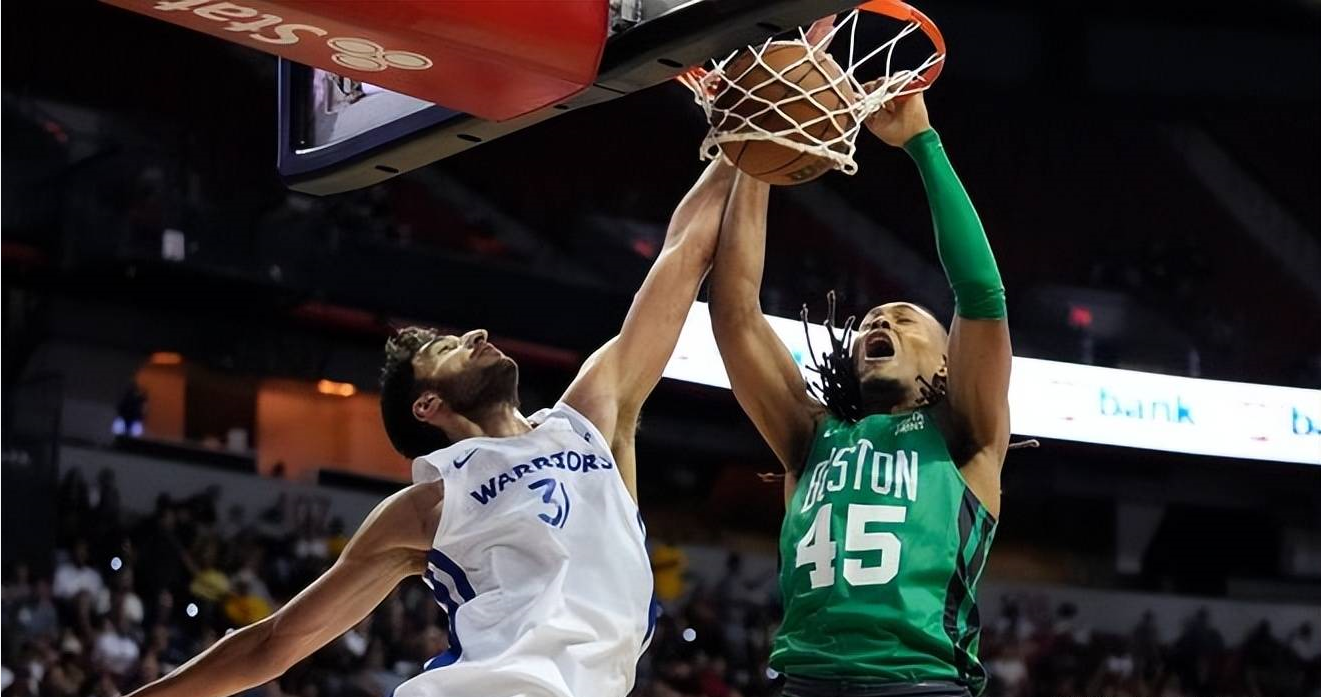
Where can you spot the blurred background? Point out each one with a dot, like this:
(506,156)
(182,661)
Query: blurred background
(190,350)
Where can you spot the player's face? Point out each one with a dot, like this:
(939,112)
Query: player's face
(468,371)
(896,344)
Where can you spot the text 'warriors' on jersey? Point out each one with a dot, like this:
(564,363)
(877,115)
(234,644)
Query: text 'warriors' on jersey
(882,546)
(540,562)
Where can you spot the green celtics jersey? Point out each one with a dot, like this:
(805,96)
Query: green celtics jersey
(881,549)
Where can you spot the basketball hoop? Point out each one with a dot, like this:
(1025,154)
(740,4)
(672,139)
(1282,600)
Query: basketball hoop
(726,102)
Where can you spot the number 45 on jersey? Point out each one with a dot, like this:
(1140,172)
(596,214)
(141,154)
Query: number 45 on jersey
(819,551)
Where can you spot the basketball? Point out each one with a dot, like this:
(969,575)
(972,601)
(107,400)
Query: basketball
(744,107)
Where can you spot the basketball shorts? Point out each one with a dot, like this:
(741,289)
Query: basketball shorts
(819,687)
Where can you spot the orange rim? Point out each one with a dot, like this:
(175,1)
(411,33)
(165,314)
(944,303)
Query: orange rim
(907,13)
(895,9)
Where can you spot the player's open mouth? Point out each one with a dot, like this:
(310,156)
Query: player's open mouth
(878,347)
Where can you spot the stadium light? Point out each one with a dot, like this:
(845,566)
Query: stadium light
(338,389)
(165,358)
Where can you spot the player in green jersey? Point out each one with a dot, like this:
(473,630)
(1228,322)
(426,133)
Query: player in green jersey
(892,479)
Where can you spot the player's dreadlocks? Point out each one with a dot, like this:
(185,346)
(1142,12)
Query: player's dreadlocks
(840,390)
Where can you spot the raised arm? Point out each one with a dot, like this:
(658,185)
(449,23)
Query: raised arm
(765,379)
(391,545)
(615,381)
(979,351)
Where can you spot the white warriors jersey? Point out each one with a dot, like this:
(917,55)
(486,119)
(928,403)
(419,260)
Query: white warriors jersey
(540,562)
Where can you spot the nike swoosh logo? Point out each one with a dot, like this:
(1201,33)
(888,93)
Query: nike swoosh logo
(458,464)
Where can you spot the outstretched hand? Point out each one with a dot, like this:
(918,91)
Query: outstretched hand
(900,119)
(819,30)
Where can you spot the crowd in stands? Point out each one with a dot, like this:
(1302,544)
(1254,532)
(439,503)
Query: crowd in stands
(717,642)
(131,597)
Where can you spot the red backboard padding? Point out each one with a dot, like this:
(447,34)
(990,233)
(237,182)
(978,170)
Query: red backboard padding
(495,59)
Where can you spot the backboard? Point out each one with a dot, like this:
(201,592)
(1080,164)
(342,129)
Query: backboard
(338,133)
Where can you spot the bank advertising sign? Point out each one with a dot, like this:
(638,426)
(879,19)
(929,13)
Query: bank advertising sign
(1051,399)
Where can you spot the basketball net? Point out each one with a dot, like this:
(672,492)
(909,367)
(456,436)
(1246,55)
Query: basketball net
(852,103)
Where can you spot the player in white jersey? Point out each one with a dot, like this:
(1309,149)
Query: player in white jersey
(526,529)
(540,562)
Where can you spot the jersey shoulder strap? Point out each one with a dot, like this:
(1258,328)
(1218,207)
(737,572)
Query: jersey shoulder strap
(566,417)
(442,463)
(450,461)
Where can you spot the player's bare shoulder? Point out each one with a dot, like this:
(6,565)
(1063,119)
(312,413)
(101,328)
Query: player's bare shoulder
(406,521)
(425,500)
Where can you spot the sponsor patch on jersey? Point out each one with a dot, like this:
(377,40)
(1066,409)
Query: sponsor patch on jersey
(915,422)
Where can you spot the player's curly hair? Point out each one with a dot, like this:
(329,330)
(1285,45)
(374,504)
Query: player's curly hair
(400,389)
(841,390)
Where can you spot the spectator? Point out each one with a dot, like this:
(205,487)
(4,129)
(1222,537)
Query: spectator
(161,551)
(357,639)
(338,540)
(1303,643)
(1146,645)
(149,670)
(236,523)
(310,545)
(1008,669)
(209,582)
(74,502)
(668,566)
(1011,622)
(105,687)
(249,574)
(38,616)
(122,598)
(1068,624)
(730,589)
(244,607)
(115,651)
(382,678)
(66,676)
(711,678)
(168,647)
(1196,653)
(433,642)
(130,412)
(105,500)
(714,642)
(17,589)
(75,574)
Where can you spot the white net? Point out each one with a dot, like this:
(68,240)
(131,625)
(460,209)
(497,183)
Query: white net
(746,98)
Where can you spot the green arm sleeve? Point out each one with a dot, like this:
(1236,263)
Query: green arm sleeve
(960,240)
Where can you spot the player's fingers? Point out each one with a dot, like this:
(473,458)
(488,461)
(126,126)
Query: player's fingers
(872,87)
(918,83)
(819,30)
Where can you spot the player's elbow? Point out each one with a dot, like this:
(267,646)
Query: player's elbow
(271,655)
(695,246)
(734,302)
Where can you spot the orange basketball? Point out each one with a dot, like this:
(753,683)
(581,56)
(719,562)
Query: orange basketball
(735,111)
